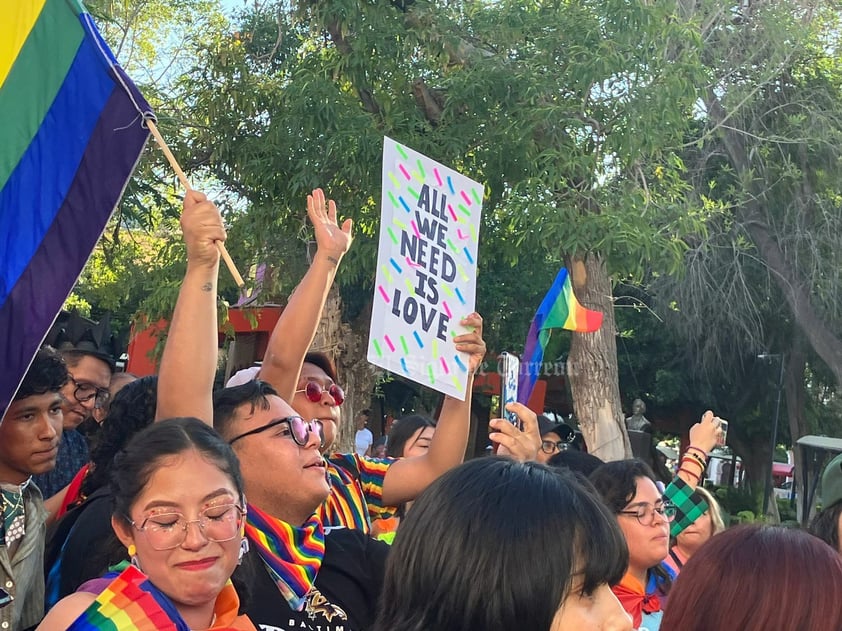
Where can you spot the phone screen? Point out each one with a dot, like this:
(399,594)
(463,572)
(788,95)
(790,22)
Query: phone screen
(5,598)
(510,368)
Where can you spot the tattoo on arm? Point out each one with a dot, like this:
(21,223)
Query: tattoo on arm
(207,287)
(333,260)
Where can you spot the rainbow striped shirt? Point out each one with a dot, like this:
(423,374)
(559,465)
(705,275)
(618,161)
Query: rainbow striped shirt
(356,492)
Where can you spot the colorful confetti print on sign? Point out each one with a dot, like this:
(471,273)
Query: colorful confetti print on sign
(426,269)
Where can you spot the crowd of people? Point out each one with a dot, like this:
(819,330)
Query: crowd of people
(160,503)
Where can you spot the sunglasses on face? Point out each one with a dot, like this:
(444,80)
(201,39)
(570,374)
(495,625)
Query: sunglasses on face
(299,430)
(314,391)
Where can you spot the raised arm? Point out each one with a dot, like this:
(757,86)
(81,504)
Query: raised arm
(406,478)
(689,505)
(296,328)
(188,364)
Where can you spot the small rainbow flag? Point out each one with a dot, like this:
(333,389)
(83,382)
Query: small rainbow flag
(71,136)
(130,603)
(558,310)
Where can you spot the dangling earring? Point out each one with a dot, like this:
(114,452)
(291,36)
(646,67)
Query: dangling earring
(244,548)
(132,550)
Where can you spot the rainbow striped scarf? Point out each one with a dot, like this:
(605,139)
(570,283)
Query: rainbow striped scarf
(293,555)
(130,603)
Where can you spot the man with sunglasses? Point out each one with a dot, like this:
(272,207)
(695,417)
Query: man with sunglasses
(304,575)
(363,489)
(86,347)
(299,574)
(29,439)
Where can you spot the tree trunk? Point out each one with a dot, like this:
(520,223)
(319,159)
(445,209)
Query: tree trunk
(796,292)
(346,345)
(795,289)
(796,396)
(592,365)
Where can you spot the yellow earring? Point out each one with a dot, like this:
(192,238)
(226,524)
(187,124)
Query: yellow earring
(132,550)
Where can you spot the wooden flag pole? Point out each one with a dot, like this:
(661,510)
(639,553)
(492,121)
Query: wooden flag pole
(229,262)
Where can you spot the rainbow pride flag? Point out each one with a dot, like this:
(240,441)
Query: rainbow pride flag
(558,310)
(71,136)
(130,603)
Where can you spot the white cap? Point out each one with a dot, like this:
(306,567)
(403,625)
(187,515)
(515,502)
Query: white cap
(243,376)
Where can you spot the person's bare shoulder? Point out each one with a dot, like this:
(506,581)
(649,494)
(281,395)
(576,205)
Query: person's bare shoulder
(66,611)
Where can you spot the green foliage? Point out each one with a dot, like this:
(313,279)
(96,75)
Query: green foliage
(570,113)
(590,125)
(739,502)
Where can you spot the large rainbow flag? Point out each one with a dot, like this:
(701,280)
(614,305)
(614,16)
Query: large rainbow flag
(71,136)
(558,310)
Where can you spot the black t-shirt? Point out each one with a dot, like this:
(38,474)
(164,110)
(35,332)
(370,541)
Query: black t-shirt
(344,597)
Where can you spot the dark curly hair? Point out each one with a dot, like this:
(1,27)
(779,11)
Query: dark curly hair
(132,409)
(47,373)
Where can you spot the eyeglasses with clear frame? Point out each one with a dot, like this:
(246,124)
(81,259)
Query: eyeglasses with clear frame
(167,531)
(314,391)
(299,430)
(645,513)
(84,392)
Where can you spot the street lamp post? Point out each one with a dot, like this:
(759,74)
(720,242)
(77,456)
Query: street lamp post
(767,493)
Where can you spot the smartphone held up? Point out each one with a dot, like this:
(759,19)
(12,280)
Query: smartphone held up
(509,374)
(723,437)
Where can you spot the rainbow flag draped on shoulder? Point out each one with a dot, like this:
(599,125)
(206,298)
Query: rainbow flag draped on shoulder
(558,310)
(130,603)
(71,136)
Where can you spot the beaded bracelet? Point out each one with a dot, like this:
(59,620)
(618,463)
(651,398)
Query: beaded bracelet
(702,452)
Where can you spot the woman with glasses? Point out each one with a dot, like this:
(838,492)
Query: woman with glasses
(629,490)
(179,510)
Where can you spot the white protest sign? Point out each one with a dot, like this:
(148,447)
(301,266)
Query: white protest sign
(426,269)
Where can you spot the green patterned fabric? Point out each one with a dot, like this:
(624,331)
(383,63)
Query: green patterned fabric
(13,524)
(689,505)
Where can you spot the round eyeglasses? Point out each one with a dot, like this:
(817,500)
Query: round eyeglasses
(314,391)
(551,446)
(299,430)
(645,513)
(166,531)
(84,392)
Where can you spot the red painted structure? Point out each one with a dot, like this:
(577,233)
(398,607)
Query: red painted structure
(142,343)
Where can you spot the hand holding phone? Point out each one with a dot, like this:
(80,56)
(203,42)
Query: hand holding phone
(510,372)
(721,438)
